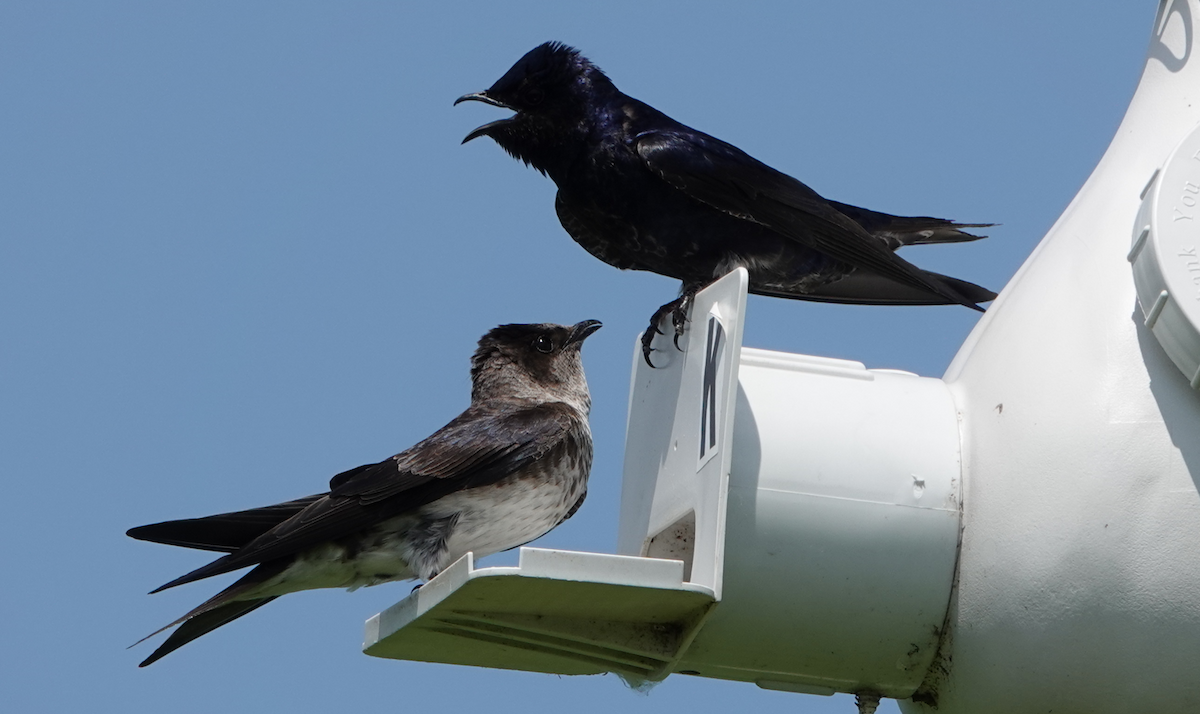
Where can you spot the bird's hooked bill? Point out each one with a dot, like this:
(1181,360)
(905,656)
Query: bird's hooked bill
(486,128)
(581,330)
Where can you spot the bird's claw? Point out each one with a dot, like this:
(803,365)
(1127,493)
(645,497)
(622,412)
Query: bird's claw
(647,338)
(678,310)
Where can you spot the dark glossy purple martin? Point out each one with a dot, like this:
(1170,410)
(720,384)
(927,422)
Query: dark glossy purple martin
(641,191)
(510,468)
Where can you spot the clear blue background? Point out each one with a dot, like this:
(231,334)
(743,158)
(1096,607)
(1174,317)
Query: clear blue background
(241,250)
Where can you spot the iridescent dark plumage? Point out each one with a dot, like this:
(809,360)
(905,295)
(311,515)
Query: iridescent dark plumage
(641,191)
(504,472)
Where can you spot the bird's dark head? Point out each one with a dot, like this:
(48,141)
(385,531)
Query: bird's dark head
(532,363)
(553,90)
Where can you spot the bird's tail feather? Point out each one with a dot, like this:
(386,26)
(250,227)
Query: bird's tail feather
(900,231)
(203,624)
(220,609)
(224,532)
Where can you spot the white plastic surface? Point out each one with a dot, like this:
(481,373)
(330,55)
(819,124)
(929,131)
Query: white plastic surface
(842,528)
(829,533)
(1079,572)
(1166,257)
(673,487)
(559,612)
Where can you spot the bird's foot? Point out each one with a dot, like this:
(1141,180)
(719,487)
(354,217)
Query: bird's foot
(678,310)
(679,315)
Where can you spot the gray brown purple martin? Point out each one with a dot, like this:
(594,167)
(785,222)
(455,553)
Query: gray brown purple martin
(507,470)
(641,191)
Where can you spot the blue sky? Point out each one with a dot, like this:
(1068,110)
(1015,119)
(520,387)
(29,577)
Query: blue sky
(241,250)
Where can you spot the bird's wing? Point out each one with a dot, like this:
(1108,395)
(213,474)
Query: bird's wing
(863,288)
(224,532)
(475,449)
(728,179)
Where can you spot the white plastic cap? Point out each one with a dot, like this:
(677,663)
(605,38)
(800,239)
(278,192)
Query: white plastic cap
(1166,256)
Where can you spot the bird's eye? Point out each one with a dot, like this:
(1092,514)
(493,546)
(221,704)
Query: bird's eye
(544,344)
(534,96)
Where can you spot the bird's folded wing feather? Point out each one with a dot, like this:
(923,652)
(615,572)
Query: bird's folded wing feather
(224,532)
(730,180)
(863,288)
(475,449)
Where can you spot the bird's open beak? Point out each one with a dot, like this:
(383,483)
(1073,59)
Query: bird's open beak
(486,128)
(580,331)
